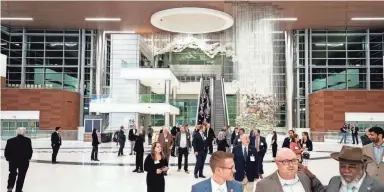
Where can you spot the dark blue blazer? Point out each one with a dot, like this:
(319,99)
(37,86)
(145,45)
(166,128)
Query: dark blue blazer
(263,146)
(251,168)
(206,186)
(199,145)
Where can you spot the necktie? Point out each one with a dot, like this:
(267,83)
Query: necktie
(351,189)
(245,154)
(220,189)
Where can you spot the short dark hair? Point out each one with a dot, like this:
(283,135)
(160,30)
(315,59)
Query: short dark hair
(258,130)
(236,128)
(377,130)
(186,125)
(57,128)
(292,131)
(217,159)
(242,130)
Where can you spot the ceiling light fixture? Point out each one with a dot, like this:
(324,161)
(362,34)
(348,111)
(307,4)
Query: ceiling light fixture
(16,18)
(102,19)
(368,19)
(280,19)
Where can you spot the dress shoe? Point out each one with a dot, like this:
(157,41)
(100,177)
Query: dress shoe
(130,154)
(9,190)
(202,176)
(178,170)
(196,176)
(140,171)
(96,160)
(187,172)
(134,170)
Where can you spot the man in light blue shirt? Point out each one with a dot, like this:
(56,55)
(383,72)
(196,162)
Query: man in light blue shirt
(375,151)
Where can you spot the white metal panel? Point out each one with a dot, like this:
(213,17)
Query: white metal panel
(3,65)
(363,116)
(145,108)
(20,115)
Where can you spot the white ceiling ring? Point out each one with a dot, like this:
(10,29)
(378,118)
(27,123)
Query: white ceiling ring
(192,20)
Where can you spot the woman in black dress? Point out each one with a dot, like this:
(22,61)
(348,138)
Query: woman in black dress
(139,149)
(95,145)
(222,142)
(274,145)
(156,166)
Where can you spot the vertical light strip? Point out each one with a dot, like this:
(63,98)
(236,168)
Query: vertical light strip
(306,79)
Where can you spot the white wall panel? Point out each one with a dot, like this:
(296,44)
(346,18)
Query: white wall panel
(20,114)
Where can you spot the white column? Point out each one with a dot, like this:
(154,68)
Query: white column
(99,61)
(167,93)
(289,79)
(174,95)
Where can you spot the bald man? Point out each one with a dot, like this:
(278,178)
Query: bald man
(287,178)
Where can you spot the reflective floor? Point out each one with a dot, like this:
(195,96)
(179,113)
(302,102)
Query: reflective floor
(77,173)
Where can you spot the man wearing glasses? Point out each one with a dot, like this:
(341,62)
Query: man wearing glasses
(223,167)
(287,178)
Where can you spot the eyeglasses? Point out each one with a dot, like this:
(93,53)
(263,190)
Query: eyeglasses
(287,162)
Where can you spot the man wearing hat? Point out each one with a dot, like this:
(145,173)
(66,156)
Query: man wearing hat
(353,176)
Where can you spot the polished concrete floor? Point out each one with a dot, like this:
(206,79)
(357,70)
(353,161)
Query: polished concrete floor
(77,173)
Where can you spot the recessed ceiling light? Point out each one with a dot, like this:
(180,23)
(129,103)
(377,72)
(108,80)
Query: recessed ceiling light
(368,19)
(17,18)
(102,19)
(280,19)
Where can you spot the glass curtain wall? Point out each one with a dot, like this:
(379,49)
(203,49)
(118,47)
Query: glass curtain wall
(336,60)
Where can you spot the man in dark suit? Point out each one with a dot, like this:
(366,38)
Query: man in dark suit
(355,134)
(122,139)
(55,143)
(246,163)
(287,140)
(210,134)
(132,136)
(261,147)
(183,144)
(18,152)
(364,138)
(200,148)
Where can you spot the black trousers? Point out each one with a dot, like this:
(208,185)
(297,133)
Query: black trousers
(121,149)
(261,159)
(139,161)
(274,150)
(55,152)
(173,149)
(210,147)
(17,168)
(355,137)
(183,152)
(149,140)
(95,150)
(200,160)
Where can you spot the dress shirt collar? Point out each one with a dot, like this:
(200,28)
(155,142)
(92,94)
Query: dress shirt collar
(288,182)
(356,184)
(217,187)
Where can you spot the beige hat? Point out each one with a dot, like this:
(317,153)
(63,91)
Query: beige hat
(351,155)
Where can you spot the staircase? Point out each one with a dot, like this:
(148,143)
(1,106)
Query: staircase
(219,112)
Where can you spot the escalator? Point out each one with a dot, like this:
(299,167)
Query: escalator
(219,109)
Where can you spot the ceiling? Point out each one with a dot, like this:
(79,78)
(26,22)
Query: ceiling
(135,15)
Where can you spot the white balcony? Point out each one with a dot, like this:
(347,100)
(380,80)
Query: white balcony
(151,77)
(144,108)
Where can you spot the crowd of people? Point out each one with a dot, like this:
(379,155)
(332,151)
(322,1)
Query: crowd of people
(204,107)
(236,165)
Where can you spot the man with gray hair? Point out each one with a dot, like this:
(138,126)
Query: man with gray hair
(18,152)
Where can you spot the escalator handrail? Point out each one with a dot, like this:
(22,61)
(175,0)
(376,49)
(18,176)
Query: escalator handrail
(211,88)
(198,101)
(224,102)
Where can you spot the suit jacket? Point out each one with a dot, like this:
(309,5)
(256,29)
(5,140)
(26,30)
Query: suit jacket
(188,138)
(286,142)
(139,144)
(365,140)
(166,145)
(210,134)
(272,183)
(132,134)
(205,186)
(199,144)
(250,168)
(122,137)
(55,139)
(237,140)
(355,131)
(18,149)
(369,185)
(374,169)
(262,145)
(95,139)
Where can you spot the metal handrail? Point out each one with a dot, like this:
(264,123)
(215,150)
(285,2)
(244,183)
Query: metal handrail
(224,101)
(198,100)
(213,119)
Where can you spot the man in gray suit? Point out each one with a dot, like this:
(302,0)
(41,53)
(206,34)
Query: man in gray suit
(353,176)
(223,167)
(183,144)
(287,178)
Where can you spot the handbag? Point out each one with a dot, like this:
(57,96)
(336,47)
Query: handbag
(306,155)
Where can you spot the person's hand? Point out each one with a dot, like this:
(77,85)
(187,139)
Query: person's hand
(196,153)
(170,147)
(305,170)
(159,171)
(165,169)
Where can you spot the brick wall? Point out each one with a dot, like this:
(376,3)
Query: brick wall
(58,108)
(327,108)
